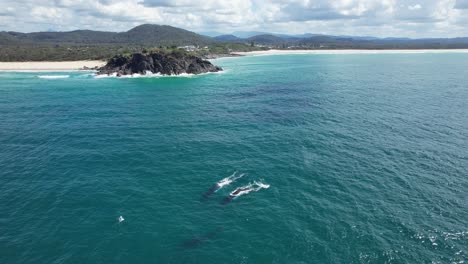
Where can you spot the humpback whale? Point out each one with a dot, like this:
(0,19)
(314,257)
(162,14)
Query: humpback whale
(224,182)
(197,241)
(212,190)
(236,193)
(244,190)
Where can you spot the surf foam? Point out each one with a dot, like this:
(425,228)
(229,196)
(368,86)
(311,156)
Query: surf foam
(228,180)
(154,75)
(53,76)
(251,187)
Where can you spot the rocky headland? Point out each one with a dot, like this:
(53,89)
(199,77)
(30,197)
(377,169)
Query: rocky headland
(164,63)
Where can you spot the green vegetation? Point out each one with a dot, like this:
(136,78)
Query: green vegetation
(336,42)
(225,48)
(144,35)
(95,45)
(62,53)
(103,52)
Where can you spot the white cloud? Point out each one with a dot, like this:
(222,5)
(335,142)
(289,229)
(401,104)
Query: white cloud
(414,7)
(406,18)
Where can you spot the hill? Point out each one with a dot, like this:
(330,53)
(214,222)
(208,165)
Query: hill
(93,45)
(228,38)
(146,34)
(315,41)
(73,37)
(8,39)
(267,39)
(162,35)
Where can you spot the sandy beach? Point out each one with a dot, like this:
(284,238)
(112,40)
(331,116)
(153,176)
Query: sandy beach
(78,65)
(416,51)
(48,65)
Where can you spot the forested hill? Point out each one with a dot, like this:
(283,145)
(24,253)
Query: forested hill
(146,34)
(93,45)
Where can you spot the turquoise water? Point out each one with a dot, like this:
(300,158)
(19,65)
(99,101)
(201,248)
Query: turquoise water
(365,157)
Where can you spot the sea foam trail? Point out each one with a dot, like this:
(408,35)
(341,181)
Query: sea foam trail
(224,182)
(251,187)
(228,180)
(53,76)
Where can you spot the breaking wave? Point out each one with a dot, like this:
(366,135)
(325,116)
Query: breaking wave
(154,75)
(53,76)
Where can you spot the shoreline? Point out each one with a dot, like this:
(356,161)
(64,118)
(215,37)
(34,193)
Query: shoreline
(349,51)
(50,65)
(92,64)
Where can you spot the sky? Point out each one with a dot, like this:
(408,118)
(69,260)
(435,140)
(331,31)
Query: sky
(380,18)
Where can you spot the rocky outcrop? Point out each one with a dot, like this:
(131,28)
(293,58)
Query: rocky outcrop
(171,63)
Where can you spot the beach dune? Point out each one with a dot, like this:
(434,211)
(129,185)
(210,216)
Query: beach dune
(49,65)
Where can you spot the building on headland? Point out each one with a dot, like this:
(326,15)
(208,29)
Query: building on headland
(193,48)
(189,48)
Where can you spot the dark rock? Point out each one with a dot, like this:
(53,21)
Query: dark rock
(86,68)
(173,63)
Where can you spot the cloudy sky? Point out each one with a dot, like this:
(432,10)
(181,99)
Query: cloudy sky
(382,18)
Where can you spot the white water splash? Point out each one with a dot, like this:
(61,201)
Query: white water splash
(121,219)
(228,180)
(53,76)
(251,187)
(149,74)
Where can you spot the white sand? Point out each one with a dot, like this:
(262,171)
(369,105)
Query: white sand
(279,52)
(48,65)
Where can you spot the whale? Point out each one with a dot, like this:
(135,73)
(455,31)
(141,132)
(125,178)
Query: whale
(212,190)
(235,193)
(224,182)
(198,241)
(255,186)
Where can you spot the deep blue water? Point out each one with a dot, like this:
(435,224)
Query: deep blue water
(365,157)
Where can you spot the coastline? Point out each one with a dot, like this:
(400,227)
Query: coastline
(49,65)
(92,64)
(351,51)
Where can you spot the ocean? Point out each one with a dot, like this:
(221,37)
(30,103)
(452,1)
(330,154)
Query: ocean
(279,159)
